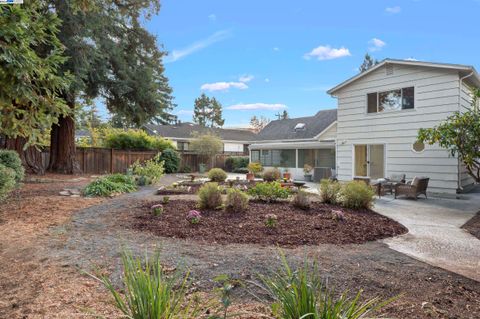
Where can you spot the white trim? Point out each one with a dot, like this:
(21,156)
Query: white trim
(368,159)
(404,62)
(392,111)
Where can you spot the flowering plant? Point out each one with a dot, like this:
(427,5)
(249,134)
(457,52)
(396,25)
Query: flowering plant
(338,215)
(193,216)
(157,209)
(271,220)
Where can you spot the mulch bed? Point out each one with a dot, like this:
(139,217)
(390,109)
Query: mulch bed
(473,225)
(295,226)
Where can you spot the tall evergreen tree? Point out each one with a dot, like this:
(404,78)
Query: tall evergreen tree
(207,112)
(30,57)
(110,56)
(367,63)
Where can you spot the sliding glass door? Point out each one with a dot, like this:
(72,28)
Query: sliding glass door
(369,160)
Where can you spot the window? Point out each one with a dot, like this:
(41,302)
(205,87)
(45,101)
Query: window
(278,158)
(255,156)
(393,100)
(182,146)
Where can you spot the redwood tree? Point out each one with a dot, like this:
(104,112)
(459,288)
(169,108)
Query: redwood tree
(30,57)
(111,56)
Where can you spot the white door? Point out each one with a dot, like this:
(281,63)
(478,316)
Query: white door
(369,160)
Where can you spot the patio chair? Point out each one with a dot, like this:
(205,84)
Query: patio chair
(390,182)
(414,188)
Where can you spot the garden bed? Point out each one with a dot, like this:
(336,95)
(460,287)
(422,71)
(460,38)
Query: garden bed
(295,227)
(473,225)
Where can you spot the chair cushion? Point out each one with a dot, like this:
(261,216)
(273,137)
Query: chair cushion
(415,181)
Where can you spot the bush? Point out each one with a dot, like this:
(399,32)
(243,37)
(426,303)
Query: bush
(268,192)
(301,293)
(217,175)
(236,202)
(11,159)
(186,169)
(357,195)
(135,140)
(330,191)
(152,292)
(271,220)
(271,174)
(255,167)
(209,196)
(171,160)
(149,172)
(111,184)
(7,181)
(234,162)
(301,200)
(241,170)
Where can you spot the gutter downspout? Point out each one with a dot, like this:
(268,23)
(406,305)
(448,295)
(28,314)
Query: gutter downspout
(459,175)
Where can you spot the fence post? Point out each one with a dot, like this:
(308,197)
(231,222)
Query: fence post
(84,161)
(111,161)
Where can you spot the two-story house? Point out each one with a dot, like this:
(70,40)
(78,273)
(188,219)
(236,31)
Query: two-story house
(381,110)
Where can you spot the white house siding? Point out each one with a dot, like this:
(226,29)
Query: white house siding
(436,96)
(330,134)
(232,147)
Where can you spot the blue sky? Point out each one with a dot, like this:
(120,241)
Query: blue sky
(260,57)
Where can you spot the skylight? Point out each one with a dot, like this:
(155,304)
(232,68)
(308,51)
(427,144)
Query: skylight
(299,126)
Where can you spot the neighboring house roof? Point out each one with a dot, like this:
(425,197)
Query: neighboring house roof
(464,70)
(186,131)
(82,133)
(285,129)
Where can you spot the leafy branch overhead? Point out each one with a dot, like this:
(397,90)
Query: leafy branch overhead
(460,135)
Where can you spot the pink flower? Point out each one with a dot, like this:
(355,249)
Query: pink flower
(194,216)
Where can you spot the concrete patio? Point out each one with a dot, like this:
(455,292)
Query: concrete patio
(435,236)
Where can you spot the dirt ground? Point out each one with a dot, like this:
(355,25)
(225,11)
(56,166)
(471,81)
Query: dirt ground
(473,226)
(294,227)
(46,240)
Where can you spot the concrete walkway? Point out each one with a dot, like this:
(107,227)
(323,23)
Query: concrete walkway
(435,236)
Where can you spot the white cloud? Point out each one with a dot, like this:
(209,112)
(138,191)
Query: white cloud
(257,106)
(411,59)
(176,55)
(393,10)
(212,17)
(276,49)
(267,80)
(184,112)
(327,53)
(376,44)
(223,86)
(246,78)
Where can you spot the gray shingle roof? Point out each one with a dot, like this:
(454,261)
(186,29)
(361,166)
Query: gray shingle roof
(285,129)
(185,130)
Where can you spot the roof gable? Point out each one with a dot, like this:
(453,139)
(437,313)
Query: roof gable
(464,70)
(186,131)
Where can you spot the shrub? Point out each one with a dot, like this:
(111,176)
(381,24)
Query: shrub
(241,170)
(157,209)
(301,293)
(186,169)
(255,167)
(301,200)
(271,220)
(217,175)
(171,160)
(268,192)
(111,184)
(234,162)
(357,195)
(236,202)
(11,159)
(149,172)
(165,200)
(7,181)
(135,140)
(151,292)
(271,174)
(330,191)
(209,196)
(193,216)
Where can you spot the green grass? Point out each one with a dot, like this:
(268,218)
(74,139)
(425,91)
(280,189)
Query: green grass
(110,184)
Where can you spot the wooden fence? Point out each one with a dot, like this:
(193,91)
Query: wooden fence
(93,160)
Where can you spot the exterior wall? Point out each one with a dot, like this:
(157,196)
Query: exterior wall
(436,97)
(329,134)
(232,147)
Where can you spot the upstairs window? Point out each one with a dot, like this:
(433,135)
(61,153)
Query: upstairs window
(393,100)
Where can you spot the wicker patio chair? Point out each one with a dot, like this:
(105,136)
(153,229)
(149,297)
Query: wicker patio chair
(390,182)
(414,188)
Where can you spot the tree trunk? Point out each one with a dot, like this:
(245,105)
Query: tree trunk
(31,157)
(62,145)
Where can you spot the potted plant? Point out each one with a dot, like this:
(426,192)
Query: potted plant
(307,172)
(286,174)
(253,168)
